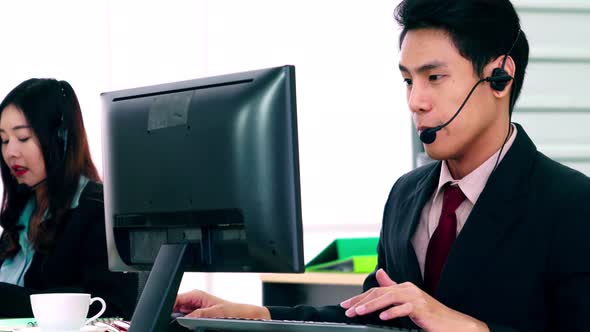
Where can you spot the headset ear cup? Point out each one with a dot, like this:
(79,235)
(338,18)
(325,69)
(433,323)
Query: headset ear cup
(62,135)
(500,79)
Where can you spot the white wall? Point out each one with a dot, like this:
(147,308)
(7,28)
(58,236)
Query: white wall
(354,127)
(63,39)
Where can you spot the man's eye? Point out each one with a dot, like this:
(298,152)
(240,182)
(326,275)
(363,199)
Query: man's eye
(435,77)
(408,81)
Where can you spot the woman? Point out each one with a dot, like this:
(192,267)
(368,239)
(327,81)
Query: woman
(52,206)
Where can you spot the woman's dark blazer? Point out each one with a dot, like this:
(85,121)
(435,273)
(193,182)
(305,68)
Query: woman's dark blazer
(78,263)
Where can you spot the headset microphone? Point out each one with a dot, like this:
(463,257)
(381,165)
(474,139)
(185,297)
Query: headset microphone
(428,135)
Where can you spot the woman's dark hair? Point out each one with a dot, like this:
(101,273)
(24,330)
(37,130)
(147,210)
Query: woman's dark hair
(52,110)
(481,30)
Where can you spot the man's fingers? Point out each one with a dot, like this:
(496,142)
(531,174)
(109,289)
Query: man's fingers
(361,300)
(387,298)
(185,301)
(383,279)
(401,310)
(211,312)
(194,299)
(354,300)
(182,308)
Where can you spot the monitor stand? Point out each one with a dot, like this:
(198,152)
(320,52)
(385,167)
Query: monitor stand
(154,308)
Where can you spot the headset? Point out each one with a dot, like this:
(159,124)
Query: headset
(62,130)
(498,81)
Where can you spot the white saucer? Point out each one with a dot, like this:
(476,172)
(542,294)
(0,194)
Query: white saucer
(88,328)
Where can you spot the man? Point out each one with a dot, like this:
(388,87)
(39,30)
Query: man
(492,237)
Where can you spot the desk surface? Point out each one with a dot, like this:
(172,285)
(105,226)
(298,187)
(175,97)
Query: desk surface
(327,278)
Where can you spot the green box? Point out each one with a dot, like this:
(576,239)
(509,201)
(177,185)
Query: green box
(352,255)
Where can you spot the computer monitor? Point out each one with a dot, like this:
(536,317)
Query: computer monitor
(201,175)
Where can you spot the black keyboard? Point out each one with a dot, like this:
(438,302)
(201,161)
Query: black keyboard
(262,325)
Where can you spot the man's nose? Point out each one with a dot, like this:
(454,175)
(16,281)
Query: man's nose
(418,99)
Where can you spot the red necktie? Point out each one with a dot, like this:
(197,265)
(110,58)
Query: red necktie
(442,240)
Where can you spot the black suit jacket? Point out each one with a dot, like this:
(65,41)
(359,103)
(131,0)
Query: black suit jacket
(520,262)
(78,263)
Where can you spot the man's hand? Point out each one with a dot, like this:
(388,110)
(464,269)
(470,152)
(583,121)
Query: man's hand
(399,300)
(197,303)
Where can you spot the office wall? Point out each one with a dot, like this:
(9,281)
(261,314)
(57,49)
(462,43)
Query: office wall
(555,105)
(64,39)
(353,121)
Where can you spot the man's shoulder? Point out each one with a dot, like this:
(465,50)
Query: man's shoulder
(553,172)
(559,183)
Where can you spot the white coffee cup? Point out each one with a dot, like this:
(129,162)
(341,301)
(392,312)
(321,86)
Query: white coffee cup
(63,312)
